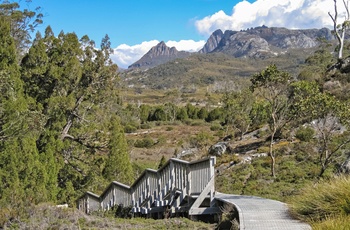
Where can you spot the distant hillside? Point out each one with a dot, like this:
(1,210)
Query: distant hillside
(157,55)
(225,57)
(209,69)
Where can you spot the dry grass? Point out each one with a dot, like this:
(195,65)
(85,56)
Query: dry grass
(323,201)
(46,216)
(169,141)
(335,223)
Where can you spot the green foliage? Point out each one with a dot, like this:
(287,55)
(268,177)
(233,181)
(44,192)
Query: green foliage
(192,111)
(144,113)
(273,85)
(129,128)
(23,22)
(201,140)
(146,142)
(215,126)
(215,114)
(305,133)
(327,114)
(182,114)
(118,166)
(162,162)
(237,107)
(202,113)
(22,174)
(339,222)
(327,198)
(159,114)
(259,113)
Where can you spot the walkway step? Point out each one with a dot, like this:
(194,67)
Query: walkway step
(257,213)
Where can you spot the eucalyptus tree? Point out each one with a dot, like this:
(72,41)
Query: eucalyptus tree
(237,109)
(272,85)
(328,116)
(339,30)
(23,22)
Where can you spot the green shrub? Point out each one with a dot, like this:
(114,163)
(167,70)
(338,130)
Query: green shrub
(327,198)
(146,142)
(129,128)
(147,125)
(161,140)
(197,123)
(201,140)
(215,127)
(169,128)
(305,133)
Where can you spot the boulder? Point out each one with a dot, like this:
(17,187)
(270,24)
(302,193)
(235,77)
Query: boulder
(218,149)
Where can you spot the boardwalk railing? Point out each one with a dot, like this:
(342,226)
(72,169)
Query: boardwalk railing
(178,187)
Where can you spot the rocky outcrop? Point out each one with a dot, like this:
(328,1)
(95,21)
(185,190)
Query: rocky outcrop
(157,55)
(264,42)
(243,44)
(212,42)
(219,149)
(260,42)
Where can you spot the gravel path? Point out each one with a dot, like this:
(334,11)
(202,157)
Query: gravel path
(257,213)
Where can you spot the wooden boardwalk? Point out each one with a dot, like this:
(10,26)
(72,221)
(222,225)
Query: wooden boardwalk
(178,188)
(257,213)
(188,189)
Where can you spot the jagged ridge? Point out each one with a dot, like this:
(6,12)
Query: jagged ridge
(260,42)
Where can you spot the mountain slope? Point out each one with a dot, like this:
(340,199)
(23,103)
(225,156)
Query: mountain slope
(159,54)
(225,57)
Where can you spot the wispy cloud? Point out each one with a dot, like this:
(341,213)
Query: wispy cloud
(124,55)
(278,13)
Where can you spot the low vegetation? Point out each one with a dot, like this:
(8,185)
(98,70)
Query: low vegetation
(48,216)
(325,204)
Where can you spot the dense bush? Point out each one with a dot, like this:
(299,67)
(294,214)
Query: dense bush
(305,133)
(146,142)
(129,128)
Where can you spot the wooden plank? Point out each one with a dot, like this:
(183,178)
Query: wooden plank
(204,211)
(203,194)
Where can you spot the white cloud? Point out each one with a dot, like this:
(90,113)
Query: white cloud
(124,55)
(186,45)
(292,14)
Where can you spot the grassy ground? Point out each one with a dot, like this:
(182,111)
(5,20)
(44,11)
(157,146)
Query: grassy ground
(325,204)
(46,216)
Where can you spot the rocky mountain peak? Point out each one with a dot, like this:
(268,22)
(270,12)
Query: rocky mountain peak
(264,42)
(259,42)
(159,54)
(212,42)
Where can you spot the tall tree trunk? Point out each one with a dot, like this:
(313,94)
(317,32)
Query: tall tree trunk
(272,156)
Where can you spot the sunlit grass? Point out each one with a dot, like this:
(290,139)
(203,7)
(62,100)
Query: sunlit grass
(320,202)
(335,223)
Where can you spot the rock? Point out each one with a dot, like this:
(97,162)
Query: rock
(157,55)
(345,167)
(186,152)
(212,42)
(218,149)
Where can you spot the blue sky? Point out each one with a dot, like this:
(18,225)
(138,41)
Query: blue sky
(134,26)
(130,21)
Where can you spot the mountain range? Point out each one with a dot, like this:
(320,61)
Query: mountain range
(260,42)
